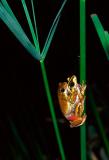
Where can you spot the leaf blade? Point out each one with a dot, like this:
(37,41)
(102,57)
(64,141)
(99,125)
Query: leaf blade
(18,32)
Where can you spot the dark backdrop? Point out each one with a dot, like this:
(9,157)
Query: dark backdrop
(23,98)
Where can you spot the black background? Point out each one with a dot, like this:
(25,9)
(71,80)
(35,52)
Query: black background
(23,98)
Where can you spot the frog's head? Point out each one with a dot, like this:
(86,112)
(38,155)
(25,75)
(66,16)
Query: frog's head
(62,87)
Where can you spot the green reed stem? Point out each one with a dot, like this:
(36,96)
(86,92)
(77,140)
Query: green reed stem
(83,69)
(52,111)
(46,83)
(99,122)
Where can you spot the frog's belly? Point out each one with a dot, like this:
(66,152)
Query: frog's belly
(66,107)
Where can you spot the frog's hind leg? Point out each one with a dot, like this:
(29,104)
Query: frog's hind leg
(78,122)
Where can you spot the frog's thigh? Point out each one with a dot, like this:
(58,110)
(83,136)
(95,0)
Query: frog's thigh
(76,123)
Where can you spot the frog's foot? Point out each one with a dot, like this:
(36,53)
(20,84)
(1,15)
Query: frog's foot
(83,88)
(76,121)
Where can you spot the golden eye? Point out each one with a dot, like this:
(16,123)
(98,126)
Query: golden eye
(62,90)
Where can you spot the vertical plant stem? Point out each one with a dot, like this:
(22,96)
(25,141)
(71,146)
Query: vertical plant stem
(83,70)
(52,111)
(99,122)
(46,84)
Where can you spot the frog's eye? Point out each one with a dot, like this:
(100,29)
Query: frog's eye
(62,90)
(71,84)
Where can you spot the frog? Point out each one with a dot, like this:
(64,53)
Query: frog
(71,97)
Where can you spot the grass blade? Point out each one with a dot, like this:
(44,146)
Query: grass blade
(18,32)
(34,17)
(35,25)
(36,43)
(101,33)
(52,31)
(7,7)
(49,40)
(9,10)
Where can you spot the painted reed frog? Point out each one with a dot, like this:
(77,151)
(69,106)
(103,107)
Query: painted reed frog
(71,100)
